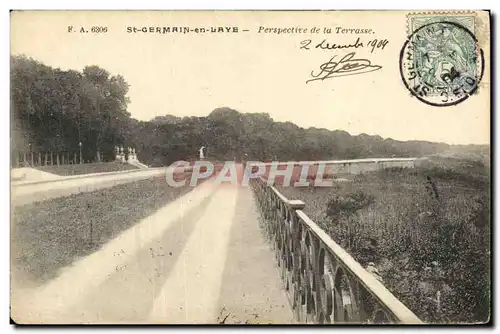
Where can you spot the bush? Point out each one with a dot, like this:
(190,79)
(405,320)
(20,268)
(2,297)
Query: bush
(344,206)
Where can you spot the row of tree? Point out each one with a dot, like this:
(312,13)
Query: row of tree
(55,110)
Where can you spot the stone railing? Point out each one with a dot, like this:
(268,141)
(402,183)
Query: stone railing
(355,166)
(324,283)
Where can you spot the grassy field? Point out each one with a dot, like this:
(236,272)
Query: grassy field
(427,230)
(50,235)
(66,170)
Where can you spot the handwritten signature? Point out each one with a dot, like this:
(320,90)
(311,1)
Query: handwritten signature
(347,65)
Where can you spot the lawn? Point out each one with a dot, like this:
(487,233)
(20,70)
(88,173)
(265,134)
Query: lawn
(427,230)
(78,169)
(50,235)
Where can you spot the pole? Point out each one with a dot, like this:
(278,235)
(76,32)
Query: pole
(80,144)
(91,231)
(31,154)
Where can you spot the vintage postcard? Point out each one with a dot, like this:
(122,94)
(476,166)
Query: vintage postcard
(250,167)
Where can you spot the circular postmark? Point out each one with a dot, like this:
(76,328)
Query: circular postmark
(441,63)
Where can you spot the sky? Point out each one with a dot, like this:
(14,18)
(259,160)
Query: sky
(192,74)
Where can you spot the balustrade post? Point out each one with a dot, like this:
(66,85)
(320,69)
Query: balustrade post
(296,204)
(294,250)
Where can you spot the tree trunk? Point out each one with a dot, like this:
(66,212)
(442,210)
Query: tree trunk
(39,158)
(98,156)
(32,160)
(74,158)
(51,159)
(46,159)
(57,158)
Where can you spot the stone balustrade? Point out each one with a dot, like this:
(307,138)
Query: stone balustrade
(325,284)
(332,167)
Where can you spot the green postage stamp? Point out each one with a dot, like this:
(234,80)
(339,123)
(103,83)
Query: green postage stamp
(441,63)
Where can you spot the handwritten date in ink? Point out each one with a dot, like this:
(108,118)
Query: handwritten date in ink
(372,45)
(347,65)
(377,44)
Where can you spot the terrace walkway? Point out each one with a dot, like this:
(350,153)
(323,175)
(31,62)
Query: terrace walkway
(200,259)
(203,259)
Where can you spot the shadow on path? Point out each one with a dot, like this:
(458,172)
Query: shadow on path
(129,292)
(251,290)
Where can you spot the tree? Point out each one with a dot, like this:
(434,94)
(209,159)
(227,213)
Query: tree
(55,110)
